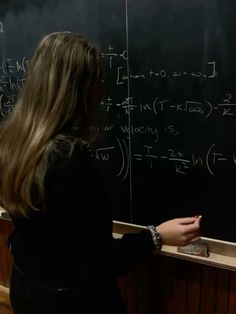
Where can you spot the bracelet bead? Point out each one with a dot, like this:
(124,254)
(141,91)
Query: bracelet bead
(156,237)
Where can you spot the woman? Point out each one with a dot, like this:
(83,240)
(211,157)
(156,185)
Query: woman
(65,259)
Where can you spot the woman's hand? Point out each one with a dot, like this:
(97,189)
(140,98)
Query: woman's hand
(180,231)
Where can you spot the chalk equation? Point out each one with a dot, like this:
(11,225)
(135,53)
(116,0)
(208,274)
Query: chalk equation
(111,54)
(7,105)
(148,135)
(2,29)
(224,107)
(11,82)
(179,162)
(212,160)
(121,74)
(9,66)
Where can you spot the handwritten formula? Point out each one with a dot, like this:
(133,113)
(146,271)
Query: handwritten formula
(156,108)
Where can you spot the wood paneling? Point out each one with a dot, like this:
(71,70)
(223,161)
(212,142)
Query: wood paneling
(160,284)
(193,289)
(5,307)
(222,291)
(5,256)
(180,287)
(232,294)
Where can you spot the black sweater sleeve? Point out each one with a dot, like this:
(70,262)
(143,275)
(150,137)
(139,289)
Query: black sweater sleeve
(120,255)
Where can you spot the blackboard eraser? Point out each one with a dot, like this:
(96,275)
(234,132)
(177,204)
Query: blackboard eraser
(198,248)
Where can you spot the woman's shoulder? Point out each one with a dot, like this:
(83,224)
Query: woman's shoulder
(67,151)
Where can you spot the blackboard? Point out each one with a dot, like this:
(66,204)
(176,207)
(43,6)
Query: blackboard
(169,143)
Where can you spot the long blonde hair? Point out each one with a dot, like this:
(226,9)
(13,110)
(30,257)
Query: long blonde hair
(64,68)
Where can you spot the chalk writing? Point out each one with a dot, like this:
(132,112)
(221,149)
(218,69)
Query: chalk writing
(105,154)
(149,134)
(178,161)
(212,159)
(10,66)
(140,130)
(113,54)
(7,105)
(205,108)
(121,75)
(1,28)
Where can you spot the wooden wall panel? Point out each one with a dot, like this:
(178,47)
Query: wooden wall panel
(181,287)
(232,294)
(5,256)
(5,307)
(208,290)
(131,297)
(222,291)
(161,284)
(193,288)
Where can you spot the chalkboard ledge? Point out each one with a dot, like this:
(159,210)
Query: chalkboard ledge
(222,254)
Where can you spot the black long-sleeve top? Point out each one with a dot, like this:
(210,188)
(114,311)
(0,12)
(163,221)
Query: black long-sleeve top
(70,243)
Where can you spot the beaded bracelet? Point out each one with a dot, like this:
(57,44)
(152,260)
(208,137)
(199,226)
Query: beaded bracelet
(156,237)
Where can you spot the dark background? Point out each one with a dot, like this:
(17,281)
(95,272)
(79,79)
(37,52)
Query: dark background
(169,145)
